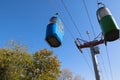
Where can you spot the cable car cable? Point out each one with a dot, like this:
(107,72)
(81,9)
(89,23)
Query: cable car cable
(77,30)
(70,32)
(109,63)
(104,67)
(71,18)
(89,18)
(74,39)
(87,63)
(90,57)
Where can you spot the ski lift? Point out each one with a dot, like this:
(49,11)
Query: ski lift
(54,31)
(108,24)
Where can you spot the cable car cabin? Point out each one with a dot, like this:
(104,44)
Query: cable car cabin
(54,32)
(108,24)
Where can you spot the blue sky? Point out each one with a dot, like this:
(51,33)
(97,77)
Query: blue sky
(26,21)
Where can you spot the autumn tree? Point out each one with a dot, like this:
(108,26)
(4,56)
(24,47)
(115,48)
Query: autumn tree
(47,66)
(17,64)
(78,77)
(66,74)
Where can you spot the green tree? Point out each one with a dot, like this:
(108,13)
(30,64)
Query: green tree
(17,64)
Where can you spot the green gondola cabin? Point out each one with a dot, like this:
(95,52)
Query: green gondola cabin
(108,24)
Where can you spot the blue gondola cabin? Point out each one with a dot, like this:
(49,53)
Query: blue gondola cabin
(54,32)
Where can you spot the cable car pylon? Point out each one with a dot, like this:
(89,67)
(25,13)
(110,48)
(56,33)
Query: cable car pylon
(93,45)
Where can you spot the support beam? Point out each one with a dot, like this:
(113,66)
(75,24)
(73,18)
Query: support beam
(94,60)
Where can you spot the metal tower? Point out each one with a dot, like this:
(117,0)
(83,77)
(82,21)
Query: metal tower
(93,45)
